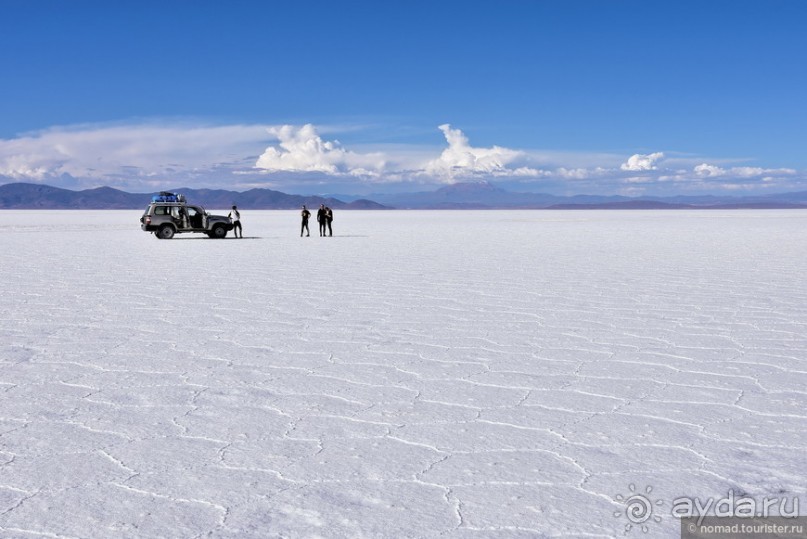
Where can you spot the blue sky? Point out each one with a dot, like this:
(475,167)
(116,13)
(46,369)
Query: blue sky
(614,97)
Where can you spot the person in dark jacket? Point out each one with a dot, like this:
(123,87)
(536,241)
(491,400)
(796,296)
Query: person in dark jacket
(304,228)
(321,219)
(329,219)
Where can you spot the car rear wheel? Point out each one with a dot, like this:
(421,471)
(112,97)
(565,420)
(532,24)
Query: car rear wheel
(165,232)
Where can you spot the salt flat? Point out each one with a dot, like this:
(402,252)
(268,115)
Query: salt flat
(420,374)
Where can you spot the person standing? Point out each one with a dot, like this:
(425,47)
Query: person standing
(235,219)
(321,219)
(329,219)
(304,228)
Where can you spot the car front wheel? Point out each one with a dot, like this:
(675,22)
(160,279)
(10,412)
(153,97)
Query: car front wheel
(218,232)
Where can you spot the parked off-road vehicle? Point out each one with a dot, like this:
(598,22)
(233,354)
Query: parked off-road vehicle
(168,214)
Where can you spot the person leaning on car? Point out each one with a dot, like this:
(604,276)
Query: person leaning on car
(235,219)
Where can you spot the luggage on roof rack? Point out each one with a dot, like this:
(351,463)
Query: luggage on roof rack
(165,196)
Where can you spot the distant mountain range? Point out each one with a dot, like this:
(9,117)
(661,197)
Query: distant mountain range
(484,195)
(478,195)
(34,196)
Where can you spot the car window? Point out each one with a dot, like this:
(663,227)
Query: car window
(161,210)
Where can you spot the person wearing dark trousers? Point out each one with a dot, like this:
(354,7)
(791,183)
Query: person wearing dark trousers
(235,219)
(321,219)
(329,219)
(304,228)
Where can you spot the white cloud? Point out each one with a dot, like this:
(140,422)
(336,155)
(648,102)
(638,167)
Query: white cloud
(749,172)
(303,150)
(581,173)
(113,153)
(639,162)
(461,159)
(705,170)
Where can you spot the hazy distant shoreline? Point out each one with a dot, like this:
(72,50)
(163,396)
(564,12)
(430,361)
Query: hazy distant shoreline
(461,196)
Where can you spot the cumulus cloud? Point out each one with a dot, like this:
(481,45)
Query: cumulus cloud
(705,170)
(461,159)
(639,162)
(301,149)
